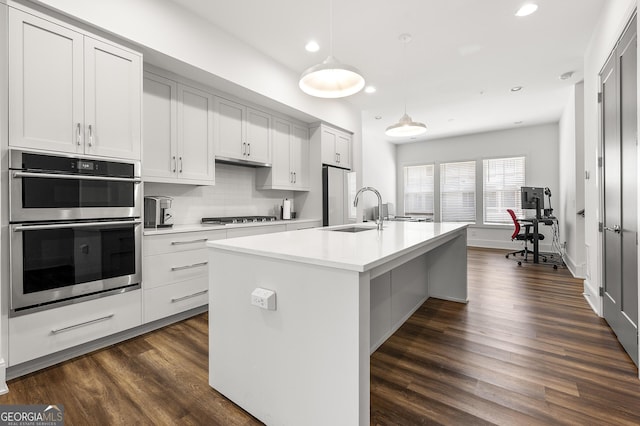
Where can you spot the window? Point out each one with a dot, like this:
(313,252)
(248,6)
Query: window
(458,192)
(418,190)
(502,178)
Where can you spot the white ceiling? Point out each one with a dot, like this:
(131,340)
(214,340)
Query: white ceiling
(459,68)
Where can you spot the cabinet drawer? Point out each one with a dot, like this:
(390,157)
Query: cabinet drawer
(182,241)
(173,267)
(171,299)
(42,333)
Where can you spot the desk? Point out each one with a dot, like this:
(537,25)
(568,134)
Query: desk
(535,222)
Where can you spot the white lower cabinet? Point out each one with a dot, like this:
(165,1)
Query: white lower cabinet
(175,272)
(42,333)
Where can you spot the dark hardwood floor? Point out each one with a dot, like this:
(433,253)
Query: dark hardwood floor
(526,350)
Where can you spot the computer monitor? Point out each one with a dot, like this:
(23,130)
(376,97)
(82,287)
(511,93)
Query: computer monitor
(529,195)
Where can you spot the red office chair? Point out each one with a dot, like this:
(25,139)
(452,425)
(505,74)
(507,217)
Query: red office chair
(527,237)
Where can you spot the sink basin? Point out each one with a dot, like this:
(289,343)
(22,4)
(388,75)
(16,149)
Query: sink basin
(352,229)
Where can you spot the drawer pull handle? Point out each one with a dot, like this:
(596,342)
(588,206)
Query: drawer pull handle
(178,243)
(82,324)
(189,296)
(195,265)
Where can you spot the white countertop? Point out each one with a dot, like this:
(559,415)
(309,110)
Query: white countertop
(196,227)
(359,251)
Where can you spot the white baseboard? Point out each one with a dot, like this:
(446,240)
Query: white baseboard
(578,271)
(506,245)
(592,295)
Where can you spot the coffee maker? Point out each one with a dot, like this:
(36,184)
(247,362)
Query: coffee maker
(156,212)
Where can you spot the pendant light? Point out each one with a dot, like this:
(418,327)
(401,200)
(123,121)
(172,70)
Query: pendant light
(406,126)
(331,79)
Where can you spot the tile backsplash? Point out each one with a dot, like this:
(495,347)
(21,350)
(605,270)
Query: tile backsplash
(234,194)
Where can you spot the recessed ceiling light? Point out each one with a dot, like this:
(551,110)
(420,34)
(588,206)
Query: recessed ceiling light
(517,122)
(378,117)
(312,46)
(566,76)
(516,88)
(527,9)
(370,89)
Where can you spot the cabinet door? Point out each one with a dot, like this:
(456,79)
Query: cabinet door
(281,167)
(258,136)
(229,128)
(328,146)
(195,135)
(160,128)
(45,90)
(343,150)
(113,100)
(299,155)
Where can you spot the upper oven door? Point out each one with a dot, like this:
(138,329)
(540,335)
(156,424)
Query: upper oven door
(44,187)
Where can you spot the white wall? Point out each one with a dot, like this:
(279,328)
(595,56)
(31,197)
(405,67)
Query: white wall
(379,169)
(615,15)
(234,194)
(571,175)
(539,144)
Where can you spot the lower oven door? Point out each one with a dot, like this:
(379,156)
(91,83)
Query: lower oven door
(60,263)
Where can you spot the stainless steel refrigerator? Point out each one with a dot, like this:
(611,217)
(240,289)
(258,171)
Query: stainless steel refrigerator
(338,190)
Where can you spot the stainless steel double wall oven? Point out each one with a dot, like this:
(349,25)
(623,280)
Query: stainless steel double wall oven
(76,229)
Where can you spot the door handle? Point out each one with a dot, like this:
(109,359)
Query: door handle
(615,228)
(174,163)
(90,135)
(78,134)
(248,150)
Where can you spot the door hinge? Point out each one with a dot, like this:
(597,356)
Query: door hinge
(599,161)
(599,97)
(600,227)
(601,291)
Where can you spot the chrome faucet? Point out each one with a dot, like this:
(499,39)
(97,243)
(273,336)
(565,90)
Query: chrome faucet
(375,191)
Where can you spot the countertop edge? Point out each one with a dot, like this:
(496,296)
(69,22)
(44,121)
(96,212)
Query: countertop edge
(220,245)
(200,227)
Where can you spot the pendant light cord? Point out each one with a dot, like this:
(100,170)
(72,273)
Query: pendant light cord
(405,40)
(330,27)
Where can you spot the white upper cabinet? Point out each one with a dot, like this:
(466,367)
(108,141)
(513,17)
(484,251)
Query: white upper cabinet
(242,133)
(196,159)
(336,147)
(71,93)
(290,167)
(160,125)
(178,133)
(113,100)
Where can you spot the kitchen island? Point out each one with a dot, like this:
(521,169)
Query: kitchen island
(340,292)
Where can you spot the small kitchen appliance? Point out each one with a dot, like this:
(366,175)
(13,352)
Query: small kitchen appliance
(156,212)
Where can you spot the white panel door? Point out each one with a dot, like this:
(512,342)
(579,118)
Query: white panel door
(281,167)
(328,146)
(343,150)
(45,94)
(113,86)
(160,128)
(258,139)
(195,135)
(299,155)
(229,128)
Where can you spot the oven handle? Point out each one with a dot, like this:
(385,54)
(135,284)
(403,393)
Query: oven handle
(74,225)
(71,327)
(77,177)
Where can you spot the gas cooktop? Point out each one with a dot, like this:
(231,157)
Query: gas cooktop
(237,219)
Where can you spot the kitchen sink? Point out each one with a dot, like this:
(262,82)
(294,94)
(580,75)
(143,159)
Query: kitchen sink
(352,229)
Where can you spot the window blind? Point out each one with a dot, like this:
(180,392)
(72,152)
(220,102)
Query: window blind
(418,190)
(458,192)
(502,178)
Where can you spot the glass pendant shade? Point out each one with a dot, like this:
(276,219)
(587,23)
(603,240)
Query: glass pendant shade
(406,127)
(331,79)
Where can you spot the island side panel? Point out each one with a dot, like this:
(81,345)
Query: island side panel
(448,270)
(307,362)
